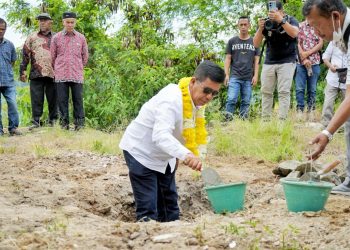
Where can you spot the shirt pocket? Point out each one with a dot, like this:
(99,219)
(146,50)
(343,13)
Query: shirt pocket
(6,55)
(77,47)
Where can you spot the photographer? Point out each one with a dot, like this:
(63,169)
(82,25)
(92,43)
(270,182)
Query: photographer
(280,32)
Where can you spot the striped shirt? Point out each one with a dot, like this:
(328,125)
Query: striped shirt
(7,57)
(36,50)
(69,52)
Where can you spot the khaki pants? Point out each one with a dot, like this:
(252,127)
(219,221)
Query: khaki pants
(330,94)
(282,75)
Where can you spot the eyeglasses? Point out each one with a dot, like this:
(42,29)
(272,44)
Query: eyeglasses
(207,90)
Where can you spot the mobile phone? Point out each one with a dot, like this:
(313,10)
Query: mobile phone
(272,5)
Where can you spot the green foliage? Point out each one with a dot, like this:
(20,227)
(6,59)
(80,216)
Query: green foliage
(293,8)
(128,68)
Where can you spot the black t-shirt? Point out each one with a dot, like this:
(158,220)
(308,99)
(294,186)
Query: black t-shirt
(280,47)
(242,54)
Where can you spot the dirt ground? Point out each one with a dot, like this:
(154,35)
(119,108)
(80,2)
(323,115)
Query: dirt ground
(82,200)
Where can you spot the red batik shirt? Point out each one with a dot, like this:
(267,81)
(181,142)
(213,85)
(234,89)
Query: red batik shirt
(308,39)
(69,52)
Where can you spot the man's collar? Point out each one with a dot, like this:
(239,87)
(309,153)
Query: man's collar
(48,33)
(3,40)
(65,32)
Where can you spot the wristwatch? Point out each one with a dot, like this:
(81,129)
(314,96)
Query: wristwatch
(328,134)
(284,20)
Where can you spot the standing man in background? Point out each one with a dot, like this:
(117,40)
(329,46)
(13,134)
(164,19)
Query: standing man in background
(241,69)
(308,69)
(7,84)
(36,51)
(280,33)
(335,60)
(69,53)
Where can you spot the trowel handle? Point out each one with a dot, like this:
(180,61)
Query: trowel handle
(329,167)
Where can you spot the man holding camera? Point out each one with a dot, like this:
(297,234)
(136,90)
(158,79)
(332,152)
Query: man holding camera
(280,32)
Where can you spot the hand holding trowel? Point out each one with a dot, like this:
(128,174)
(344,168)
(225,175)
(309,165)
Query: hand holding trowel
(316,176)
(209,176)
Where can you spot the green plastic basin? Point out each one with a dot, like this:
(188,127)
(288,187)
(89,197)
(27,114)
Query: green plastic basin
(227,197)
(306,195)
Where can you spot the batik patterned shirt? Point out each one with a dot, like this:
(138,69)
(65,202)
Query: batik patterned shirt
(7,57)
(36,50)
(308,39)
(69,52)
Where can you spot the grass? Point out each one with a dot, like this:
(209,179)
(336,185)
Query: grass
(273,141)
(45,142)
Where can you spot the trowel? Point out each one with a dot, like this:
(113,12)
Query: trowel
(312,176)
(210,176)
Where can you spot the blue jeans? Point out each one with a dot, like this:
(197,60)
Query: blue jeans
(303,81)
(9,92)
(154,192)
(236,87)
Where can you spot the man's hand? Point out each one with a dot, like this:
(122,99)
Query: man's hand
(23,77)
(304,55)
(193,162)
(307,63)
(255,80)
(333,68)
(261,23)
(227,77)
(321,141)
(275,15)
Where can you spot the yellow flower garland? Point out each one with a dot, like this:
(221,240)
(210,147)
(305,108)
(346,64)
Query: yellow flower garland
(194,133)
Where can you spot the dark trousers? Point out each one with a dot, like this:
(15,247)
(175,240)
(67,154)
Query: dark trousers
(154,192)
(38,88)
(63,102)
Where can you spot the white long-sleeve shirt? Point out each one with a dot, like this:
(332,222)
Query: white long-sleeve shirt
(154,138)
(345,25)
(338,58)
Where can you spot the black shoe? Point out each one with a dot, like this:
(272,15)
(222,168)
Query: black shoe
(228,117)
(78,127)
(14,132)
(65,126)
(51,123)
(34,125)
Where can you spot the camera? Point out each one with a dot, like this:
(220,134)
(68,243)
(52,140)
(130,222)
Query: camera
(274,26)
(270,25)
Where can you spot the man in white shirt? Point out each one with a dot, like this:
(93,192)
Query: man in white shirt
(336,61)
(153,143)
(331,20)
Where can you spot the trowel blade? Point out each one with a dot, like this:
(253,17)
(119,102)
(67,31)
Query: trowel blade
(210,177)
(310,176)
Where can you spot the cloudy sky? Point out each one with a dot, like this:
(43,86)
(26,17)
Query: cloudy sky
(11,34)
